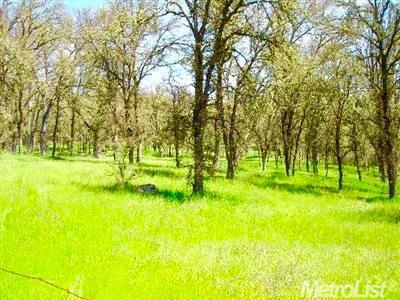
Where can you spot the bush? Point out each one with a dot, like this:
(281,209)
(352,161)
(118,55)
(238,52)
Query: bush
(122,172)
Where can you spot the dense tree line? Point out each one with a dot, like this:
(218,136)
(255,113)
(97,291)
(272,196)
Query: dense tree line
(300,81)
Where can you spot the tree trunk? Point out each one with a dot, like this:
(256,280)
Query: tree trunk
(169,151)
(198,184)
(230,172)
(340,170)
(84,144)
(160,150)
(55,130)
(357,163)
(392,177)
(299,162)
(314,157)
(72,133)
(31,143)
(139,152)
(382,169)
(232,144)
(61,148)
(89,146)
(339,159)
(355,149)
(199,116)
(129,134)
(296,147)
(286,127)
(14,144)
(389,155)
(131,155)
(44,128)
(264,153)
(115,144)
(176,142)
(177,158)
(217,146)
(96,146)
(32,134)
(20,122)
(286,154)
(227,135)
(326,168)
(136,102)
(294,160)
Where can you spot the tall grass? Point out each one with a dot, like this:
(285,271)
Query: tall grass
(257,237)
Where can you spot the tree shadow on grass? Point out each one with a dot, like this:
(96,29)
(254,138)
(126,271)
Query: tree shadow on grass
(152,172)
(272,182)
(168,195)
(375,199)
(154,165)
(24,158)
(278,181)
(381,214)
(55,158)
(380,199)
(251,157)
(75,159)
(303,188)
(173,196)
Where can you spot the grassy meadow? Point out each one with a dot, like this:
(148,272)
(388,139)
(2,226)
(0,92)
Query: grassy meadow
(258,237)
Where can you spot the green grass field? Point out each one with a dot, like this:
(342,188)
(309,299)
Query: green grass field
(258,237)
